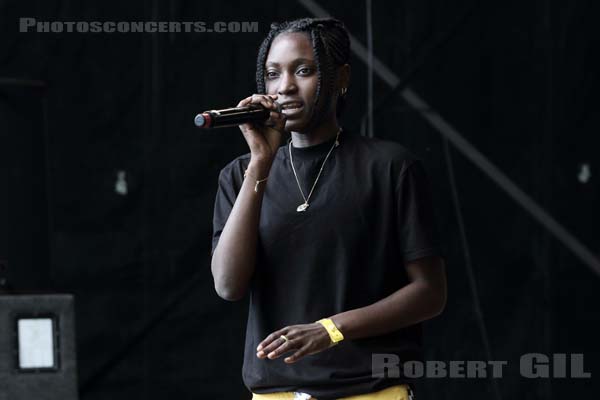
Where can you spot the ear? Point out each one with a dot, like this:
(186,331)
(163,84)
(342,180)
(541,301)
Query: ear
(344,73)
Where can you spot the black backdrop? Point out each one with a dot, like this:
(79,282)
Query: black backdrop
(516,79)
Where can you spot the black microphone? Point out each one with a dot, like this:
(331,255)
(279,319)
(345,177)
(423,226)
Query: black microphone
(233,116)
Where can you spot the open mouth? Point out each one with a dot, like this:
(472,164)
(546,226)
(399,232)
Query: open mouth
(291,108)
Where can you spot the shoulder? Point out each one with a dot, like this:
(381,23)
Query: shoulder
(381,152)
(233,172)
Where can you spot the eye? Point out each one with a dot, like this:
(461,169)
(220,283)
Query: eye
(271,74)
(305,71)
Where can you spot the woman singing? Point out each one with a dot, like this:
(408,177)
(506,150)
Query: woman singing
(333,234)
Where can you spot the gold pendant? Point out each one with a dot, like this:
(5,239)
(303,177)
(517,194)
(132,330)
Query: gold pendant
(302,207)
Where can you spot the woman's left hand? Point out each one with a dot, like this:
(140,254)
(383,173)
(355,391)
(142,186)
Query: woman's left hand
(305,339)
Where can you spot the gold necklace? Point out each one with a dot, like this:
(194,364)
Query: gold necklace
(302,207)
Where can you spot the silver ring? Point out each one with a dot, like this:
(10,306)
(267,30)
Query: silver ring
(284,338)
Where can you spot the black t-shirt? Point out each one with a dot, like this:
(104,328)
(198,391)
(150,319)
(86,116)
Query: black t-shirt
(370,213)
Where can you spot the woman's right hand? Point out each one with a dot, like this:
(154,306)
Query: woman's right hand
(263,139)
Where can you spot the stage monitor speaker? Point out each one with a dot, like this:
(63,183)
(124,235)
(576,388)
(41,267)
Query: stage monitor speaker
(37,347)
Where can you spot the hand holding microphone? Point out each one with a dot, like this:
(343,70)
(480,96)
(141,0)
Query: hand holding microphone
(261,121)
(233,116)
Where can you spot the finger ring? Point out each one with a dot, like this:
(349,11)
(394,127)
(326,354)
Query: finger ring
(284,338)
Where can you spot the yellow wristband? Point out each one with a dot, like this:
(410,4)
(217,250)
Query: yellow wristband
(335,335)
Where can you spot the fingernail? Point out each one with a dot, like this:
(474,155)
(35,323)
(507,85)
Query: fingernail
(260,353)
(271,354)
(259,347)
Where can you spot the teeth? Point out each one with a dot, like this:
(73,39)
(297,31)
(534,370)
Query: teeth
(290,106)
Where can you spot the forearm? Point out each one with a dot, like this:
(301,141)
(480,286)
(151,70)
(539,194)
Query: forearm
(415,302)
(234,257)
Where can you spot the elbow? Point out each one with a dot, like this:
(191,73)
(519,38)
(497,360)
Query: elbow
(229,294)
(433,300)
(228,285)
(439,292)
(228,290)
(440,297)
(439,307)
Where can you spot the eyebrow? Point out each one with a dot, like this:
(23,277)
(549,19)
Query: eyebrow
(296,61)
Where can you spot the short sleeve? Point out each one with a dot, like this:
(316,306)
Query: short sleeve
(224,201)
(417,229)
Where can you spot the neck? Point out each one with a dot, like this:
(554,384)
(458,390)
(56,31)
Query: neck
(324,132)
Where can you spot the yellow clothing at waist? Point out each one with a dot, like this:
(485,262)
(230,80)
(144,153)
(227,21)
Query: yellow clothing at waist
(399,392)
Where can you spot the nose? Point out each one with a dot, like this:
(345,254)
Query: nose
(287,84)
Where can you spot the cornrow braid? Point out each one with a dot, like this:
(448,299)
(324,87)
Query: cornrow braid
(331,47)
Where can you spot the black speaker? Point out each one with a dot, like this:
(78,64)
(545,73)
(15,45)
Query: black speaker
(37,347)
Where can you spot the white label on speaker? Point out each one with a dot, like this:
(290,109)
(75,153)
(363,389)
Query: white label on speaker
(36,343)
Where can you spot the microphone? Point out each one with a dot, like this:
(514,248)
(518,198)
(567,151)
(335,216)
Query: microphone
(233,116)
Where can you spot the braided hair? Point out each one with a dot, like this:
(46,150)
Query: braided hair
(331,48)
